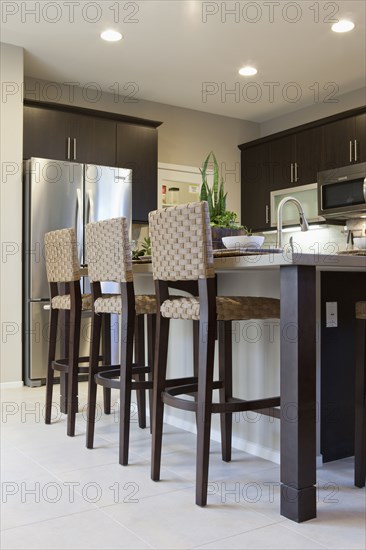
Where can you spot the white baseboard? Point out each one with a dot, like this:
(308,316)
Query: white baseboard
(7,385)
(319,461)
(238,443)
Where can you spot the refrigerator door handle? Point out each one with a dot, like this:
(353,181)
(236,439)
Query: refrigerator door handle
(91,213)
(79,222)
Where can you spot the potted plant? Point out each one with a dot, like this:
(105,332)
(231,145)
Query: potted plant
(224,222)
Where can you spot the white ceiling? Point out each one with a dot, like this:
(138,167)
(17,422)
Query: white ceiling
(169,53)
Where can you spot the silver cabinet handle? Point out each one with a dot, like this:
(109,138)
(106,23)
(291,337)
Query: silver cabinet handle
(292,173)
(74,156)
(68,148)
(356,156)
(47,307)
(350,151)
(296,178)
(267,213)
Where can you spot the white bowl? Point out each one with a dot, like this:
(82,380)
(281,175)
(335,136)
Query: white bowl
(360,242)
(243,241)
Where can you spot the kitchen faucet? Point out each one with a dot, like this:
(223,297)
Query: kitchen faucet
(303,221)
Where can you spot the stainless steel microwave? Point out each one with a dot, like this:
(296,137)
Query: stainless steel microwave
(342,192)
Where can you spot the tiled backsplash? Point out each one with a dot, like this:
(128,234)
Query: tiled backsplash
(326,239)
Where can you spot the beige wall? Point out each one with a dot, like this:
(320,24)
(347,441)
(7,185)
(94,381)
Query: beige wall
(185,137)
(11,71)
(319,110)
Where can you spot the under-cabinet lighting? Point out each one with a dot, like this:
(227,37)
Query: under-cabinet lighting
(294,229)
(111,36)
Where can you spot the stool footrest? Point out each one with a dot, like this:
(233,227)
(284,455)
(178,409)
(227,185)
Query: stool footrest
(171,397)
(109,378)
(62,364)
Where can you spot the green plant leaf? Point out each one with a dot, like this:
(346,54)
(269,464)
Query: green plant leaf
(216,197)
(203,193)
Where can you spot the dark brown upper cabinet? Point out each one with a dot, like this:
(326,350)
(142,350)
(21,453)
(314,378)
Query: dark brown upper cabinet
(281,160)
(256,186)
(308,155)
(344,142)
(46,133)
(137,148)
(93,140)
(64,132)
(295,158)
(68,136)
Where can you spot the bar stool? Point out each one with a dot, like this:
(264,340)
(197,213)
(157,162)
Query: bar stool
(109,259)
(360,396)
(181,245)
(63,274)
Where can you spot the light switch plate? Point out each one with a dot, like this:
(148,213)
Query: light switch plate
(331,314)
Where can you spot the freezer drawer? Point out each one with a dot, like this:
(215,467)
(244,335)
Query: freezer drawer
(36,341)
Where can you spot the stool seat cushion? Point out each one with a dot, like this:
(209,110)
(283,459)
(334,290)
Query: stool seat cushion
(145,304)
(228,308)
(360,310)
(64,301)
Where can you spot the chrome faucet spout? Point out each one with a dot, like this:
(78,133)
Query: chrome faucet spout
(302,218)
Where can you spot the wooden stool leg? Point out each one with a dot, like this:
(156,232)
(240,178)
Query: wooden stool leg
(225,374)
(75,323)
(140,360)
(159,376)
(151,332)
(92,386)
(360,404)
(106,354)
(51,357)
(196,340)
(127,333)
(204,402)
(64,316)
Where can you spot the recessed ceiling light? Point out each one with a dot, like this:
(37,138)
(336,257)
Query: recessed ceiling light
(343,26)
(248,71)
(111,36)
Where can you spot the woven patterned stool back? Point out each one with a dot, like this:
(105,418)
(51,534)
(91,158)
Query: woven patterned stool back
(181,242)
(108,251)
(62,264)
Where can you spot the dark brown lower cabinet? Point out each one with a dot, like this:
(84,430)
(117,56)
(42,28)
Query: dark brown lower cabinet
(337,407)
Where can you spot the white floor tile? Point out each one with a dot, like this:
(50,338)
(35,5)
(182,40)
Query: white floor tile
(173,520)
(272,537)
(121,507)
(88,530)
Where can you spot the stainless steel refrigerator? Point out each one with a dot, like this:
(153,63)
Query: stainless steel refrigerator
(57,195)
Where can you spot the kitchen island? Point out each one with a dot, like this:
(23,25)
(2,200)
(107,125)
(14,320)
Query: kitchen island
(294,277)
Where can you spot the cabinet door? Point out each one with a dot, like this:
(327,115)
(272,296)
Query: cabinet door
(282,157)
(46,133)
(308,154)
(337,143)
(255,187)
(137,148)
(360,136)
(93,140)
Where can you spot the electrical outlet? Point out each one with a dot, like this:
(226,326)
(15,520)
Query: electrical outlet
(331,309)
